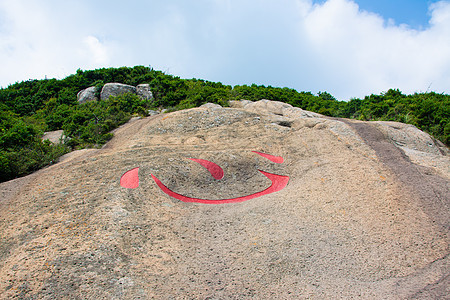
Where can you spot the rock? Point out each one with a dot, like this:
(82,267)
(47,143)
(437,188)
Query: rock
(211,105)
(152,112)
(86,95)
(264,106)
(274,107)
(356,219)
(143,91)
(419,146)
(297,112)
(116,89)
(409,136)
(54,136)
(239,104)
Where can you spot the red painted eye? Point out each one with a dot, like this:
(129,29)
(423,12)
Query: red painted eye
(215,170)
(130,179)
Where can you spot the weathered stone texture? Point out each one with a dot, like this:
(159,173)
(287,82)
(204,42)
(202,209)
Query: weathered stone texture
(143,91)
(365,214)
(116,89)
(87,95)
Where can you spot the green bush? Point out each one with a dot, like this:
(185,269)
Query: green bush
(19,160)
(89,124)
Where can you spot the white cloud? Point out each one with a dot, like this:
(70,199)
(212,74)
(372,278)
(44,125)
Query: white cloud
(38,42)
(440,12)
(97,53)
(334,46)
(20,45)
(365,54)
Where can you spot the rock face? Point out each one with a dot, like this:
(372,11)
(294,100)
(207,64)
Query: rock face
(54,136)
(116,89)
(86,95)
(364,214)
(143,91)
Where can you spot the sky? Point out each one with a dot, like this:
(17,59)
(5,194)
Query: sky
(348,48)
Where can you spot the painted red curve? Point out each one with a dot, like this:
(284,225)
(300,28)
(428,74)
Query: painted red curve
(279,182)
(130,179)
(215,170)
(272,158)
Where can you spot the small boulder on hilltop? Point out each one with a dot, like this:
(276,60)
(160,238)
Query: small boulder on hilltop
(86,95)
(143,91)
(54,137)
(116,89)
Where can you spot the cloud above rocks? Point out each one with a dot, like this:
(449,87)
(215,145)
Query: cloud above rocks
(96,51)
(329,46)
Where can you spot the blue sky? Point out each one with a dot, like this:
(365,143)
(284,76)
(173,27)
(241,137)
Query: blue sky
(414,13)
(347,48)
(411,12)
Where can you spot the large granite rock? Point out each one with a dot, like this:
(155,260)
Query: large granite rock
(364,215)
(116,89)
(143,91)
(86,95)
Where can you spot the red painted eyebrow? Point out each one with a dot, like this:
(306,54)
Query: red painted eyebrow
(272,158)
(215,170)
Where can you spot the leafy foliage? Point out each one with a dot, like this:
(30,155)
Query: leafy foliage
(21,148)
(427,111)
(29,108)
(89,125)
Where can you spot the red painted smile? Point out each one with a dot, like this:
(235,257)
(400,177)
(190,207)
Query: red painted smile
(131,180)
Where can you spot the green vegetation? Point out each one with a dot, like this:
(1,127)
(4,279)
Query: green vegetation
(29,108)
(429,112)
(21,149)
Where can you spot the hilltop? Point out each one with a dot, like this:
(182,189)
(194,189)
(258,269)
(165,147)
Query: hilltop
(28,109)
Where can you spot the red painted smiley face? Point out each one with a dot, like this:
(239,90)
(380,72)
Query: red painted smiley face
(278,182)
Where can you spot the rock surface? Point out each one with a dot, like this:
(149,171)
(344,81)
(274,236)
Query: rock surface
(87,95)
(143,91)
(365,213)
(116,89)
(54,136)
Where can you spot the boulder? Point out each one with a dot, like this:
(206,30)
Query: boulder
(308,207)
(239,103)
(116,89)
(152,112)
(407,136)
(87,95)
(211,105)
(267,106)
(54,137)
(143,91)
